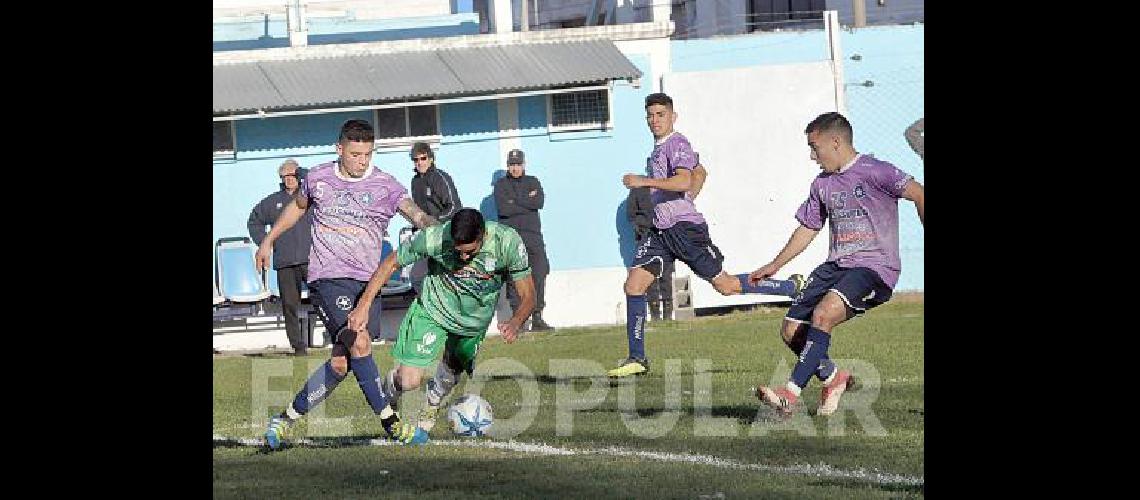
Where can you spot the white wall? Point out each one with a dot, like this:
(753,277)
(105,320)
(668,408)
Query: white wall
(747,125)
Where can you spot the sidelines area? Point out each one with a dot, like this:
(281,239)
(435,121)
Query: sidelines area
(819,470)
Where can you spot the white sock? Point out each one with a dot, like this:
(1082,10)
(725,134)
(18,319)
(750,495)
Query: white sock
(291,413)
(386,412)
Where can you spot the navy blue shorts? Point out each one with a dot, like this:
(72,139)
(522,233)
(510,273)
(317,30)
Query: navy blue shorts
(686,241)
(860,288)
(335,298)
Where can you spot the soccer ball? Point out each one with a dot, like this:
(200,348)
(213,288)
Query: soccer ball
(470,416)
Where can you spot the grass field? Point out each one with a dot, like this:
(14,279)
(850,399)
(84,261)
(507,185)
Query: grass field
(690,428)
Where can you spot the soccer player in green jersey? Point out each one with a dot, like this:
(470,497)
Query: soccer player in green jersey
(468,262)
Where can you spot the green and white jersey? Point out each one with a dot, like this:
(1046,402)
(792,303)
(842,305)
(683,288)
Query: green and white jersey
(461,297)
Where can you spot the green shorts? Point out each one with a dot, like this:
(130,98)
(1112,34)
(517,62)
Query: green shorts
(421,340)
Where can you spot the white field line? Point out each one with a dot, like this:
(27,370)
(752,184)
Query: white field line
(819,470)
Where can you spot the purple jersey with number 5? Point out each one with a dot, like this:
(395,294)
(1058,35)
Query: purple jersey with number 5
(350,219)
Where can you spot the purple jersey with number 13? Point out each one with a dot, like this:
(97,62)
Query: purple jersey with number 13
(862,202)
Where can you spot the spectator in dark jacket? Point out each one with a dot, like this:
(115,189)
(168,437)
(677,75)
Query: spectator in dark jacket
(518,198)
(432,189)
(434,192)
(291,253)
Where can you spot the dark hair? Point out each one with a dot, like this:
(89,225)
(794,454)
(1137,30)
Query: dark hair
(356,131)
(832,122)
(466,226)
(659,98)
(422,147)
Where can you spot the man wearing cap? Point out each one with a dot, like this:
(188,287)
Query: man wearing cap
(291,255)
(518,198)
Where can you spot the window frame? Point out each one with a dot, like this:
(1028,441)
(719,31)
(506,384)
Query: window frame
(407,140)
(230,154)
(606,125)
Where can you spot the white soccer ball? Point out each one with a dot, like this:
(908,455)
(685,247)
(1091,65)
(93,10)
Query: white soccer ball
(470,416)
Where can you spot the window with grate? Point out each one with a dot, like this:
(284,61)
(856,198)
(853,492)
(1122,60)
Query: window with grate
(580,110)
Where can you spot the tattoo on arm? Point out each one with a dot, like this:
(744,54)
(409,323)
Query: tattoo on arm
(415,214)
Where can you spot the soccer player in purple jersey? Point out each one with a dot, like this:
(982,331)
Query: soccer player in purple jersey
(679,232)
(351,203)
(859,194)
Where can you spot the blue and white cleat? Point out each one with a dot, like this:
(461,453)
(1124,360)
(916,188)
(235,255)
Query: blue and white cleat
(408,434)
(275,435)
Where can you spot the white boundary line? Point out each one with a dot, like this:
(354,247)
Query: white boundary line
(820,470)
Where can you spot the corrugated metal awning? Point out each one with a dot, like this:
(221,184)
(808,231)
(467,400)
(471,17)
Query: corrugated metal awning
(359,79)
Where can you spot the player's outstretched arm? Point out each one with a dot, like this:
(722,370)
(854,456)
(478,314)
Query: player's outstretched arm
(358,318)
(525,289)
(415,214)
(285,221)
(916,193)
(799,241)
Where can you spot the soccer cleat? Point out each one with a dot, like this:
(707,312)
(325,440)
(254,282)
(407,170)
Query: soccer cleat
(389,423)
(631,366)
(275,434)
(780,398)
(538,325)
(800,282)
(427,417)
(408,434)
(829,400)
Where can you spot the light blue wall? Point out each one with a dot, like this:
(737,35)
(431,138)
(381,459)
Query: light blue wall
(584,218)
(891,57)
(252,33)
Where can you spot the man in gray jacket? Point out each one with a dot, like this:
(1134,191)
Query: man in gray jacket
(518,198)
(291,253)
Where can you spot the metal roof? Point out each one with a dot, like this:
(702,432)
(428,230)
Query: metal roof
(363,79)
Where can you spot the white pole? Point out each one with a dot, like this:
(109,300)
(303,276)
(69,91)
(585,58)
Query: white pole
(835,54)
